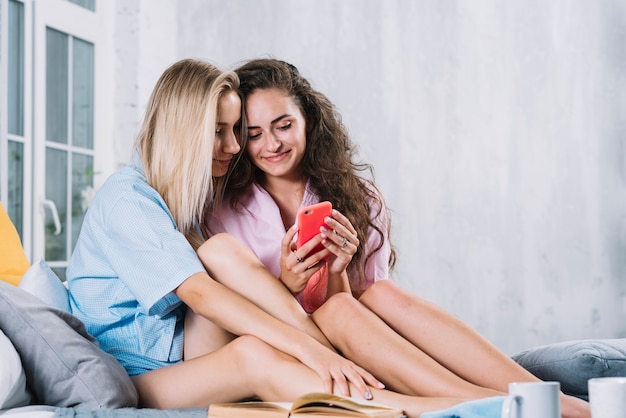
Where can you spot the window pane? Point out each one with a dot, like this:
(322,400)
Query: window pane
(56,86)
(82,94)
(56,191)
(60,272)
(87,4)
(16,185)
(82,190)
(15,111)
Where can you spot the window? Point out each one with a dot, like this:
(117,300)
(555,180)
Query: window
(87,4)
(69,138)
(48,118)
(15,136)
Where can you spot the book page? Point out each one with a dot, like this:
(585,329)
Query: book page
(311,405)
(325,404)
(252,409)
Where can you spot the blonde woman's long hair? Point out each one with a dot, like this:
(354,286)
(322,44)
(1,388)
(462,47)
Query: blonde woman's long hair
(177,136)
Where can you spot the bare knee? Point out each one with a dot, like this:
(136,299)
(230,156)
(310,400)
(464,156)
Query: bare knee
(390,301)
(249,346)
(338,308)
(338,302)
(386,293)
(379,289)
(252,353)
(221,250)
(217,246)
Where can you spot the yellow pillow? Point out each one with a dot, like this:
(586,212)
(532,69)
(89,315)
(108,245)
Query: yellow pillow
(13,261)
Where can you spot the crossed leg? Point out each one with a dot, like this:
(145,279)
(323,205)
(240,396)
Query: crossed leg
(363,337)
(426,350)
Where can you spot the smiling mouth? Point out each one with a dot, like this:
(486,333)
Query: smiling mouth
(276,157)
(223,162)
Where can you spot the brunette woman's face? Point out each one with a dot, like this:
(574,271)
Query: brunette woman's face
(226,144)
(276,133)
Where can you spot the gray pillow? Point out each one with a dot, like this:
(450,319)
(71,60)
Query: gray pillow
(64,365)
(573,363)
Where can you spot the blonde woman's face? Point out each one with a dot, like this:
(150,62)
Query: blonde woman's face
(226,144)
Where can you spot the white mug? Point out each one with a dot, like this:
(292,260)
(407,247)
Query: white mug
(532,400)
(607,397)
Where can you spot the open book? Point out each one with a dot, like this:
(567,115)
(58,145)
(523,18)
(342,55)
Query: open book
(307,406)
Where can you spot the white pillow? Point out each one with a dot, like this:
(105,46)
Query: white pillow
(13,392)
(41,281)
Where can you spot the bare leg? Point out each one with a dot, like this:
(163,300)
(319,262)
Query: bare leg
(365,339)
(440,334)
(244,368)
(247,368)
(205,338)
(236,267)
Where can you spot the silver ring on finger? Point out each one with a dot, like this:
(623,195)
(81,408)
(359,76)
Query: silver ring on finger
(344,243)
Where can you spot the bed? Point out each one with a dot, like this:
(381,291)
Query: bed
(51,367)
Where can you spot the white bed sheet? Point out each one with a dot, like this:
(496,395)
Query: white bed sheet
(30,411)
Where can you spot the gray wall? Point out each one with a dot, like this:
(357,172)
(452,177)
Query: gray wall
(497,131)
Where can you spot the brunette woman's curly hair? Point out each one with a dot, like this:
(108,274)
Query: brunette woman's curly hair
(328,161)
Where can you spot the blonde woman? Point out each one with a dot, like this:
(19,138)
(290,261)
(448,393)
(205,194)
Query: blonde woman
(146,282)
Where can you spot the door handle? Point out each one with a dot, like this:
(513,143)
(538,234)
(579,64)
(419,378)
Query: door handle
(55,215)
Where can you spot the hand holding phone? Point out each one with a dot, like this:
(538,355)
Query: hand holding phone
(310,220)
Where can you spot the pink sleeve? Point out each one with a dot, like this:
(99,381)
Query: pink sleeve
(314,294)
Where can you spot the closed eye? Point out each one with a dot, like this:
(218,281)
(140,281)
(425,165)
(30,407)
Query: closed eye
(285,127)
(253,134)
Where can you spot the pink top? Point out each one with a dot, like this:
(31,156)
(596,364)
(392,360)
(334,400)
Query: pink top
(257,224)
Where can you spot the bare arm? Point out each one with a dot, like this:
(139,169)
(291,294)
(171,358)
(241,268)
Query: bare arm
(239,316)
(236,267)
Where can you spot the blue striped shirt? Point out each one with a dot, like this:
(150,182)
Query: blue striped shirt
(128,259)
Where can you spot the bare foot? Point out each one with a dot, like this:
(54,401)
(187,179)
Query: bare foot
(573,407)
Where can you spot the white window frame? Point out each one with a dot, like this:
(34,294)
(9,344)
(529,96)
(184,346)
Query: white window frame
(94,27)
(89,26)
(27,138)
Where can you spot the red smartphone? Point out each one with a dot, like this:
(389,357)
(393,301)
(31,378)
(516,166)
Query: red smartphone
(310,219)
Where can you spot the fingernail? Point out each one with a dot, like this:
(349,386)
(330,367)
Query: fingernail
(381,385)
(368,395)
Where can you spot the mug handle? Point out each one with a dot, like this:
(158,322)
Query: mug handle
(511,403)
